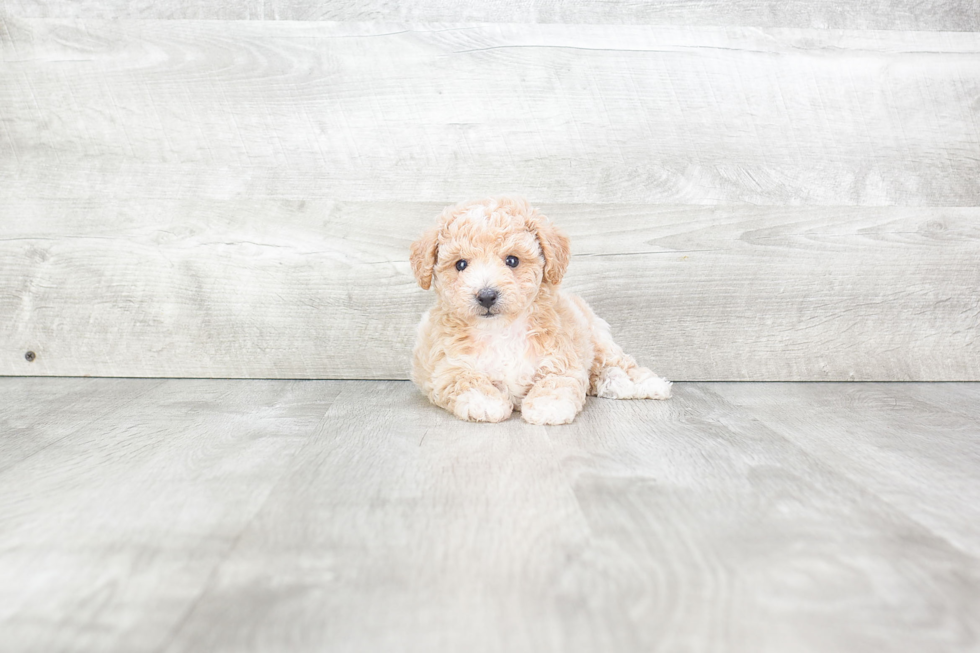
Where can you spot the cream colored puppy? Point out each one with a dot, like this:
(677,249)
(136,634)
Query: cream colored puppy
(503,335)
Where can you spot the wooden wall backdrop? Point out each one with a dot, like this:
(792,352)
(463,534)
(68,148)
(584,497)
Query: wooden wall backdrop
(758,190)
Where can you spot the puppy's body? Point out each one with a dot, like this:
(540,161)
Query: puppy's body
(503,335)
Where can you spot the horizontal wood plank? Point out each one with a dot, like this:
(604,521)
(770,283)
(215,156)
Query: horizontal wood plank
(564,113)
(211,198)
(323,289)
(950,15)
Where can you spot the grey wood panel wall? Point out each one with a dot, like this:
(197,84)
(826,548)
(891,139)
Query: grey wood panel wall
(947,15)
(272,288)
(561,113)
(228,198)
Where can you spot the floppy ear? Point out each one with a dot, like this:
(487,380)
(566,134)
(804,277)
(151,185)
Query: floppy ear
(424,257)
(555,247)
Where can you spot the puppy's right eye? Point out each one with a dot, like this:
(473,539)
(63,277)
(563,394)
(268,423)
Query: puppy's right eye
(460,265)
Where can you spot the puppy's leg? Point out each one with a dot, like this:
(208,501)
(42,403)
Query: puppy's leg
(469,395)
(622,382)
(615,374)
(554,399)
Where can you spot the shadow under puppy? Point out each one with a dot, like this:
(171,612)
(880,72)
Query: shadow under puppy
(503,335)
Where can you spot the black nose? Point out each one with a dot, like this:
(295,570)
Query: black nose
(487,297)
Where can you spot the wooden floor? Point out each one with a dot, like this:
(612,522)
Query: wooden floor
(192,515)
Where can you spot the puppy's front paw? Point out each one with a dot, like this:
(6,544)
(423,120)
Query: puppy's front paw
(476,406)
(549,409)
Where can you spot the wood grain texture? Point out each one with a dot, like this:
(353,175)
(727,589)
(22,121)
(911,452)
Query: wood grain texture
(716,532)
(352,516)
(415,524)
(323,289)
(922,452)
(235,199)
(110,533)
(951,15)
(424,112)
(36,413)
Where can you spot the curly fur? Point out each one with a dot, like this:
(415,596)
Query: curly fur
(537,349)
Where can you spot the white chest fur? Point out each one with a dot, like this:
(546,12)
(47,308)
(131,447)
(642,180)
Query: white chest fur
(504,353)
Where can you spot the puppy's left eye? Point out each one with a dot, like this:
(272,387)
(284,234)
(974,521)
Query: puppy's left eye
(511,261)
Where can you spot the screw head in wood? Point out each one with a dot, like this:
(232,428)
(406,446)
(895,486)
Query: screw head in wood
(30,356)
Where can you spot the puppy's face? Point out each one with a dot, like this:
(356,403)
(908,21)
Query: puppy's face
(488,264)
(488,259)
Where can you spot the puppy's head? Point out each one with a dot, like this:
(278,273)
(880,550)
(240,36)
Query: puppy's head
(489,258)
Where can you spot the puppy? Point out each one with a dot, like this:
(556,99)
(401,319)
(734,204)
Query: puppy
(503,335)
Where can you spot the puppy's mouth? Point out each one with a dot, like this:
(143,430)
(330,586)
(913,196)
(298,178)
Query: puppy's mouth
(489,314)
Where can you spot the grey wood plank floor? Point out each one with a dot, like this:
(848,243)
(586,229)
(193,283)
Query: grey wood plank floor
(234,515)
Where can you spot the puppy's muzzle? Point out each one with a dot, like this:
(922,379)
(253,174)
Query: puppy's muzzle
(487,297)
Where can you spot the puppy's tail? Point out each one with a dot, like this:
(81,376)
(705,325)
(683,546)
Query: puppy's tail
(614,373)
